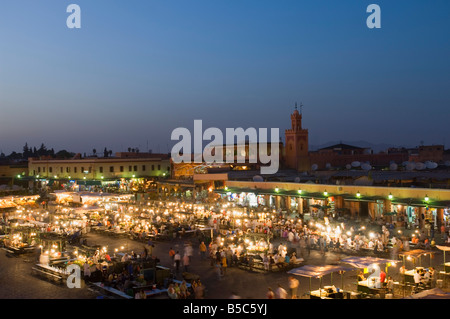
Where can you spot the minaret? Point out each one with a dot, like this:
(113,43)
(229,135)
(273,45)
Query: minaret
(296,149)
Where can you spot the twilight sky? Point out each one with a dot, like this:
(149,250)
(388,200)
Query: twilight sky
(136,70)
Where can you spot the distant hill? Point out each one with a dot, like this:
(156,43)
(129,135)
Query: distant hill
(375,147)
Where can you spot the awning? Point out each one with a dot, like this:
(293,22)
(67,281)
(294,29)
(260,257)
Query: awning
(364,262)
(89,183)
(416,253)
(444,248)
(317,271)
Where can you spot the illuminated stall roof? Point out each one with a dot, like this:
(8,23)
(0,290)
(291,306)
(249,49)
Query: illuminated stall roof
(317,271)
(364,262)
(415,253)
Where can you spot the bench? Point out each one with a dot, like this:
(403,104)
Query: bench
(112,291)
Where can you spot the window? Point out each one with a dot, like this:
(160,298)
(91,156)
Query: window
(130,168)
(101,169)
(74,169)
(67,169)
(135,168)
(39,169)
(61,169)
(82,169)
(153,167)
(143,168)
(111,169)
(121,168)
(43,169)
(50,169)
(159,167)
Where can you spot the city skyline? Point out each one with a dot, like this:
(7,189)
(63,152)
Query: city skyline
(132,74)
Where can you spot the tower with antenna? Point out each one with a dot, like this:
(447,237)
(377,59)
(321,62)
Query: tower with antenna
(296,149)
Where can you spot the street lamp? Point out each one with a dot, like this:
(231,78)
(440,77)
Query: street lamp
(300,191)
(390,196)
(427,198)
(358,194)
(325,193)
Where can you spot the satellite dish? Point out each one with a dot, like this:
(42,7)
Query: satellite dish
(348,166)
(356,164)
(405,164)
(393,167)
(420,166)
(328,165)
(366,167)
(314,167)
(431,165)
(410,166)
(297,179)
(258,178)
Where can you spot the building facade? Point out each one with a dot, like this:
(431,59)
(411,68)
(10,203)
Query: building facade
(100,168)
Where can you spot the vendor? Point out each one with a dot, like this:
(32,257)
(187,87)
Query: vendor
(382,277)
(361,276)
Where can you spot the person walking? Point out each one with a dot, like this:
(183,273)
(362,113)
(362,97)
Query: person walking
(293,286)
(186,261)
(270,294)
(281,293)
(224,265)
(177,259)
(202,249)
(172,254)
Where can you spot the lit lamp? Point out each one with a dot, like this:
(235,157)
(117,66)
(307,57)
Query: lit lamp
(390,196)
(300,191)
(358,194)
(226,188)
(325,193)
(427,198)
(277,190)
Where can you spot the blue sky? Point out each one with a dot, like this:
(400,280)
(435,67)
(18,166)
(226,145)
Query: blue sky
(136,70)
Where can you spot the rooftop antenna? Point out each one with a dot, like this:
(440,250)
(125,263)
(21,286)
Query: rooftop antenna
(301,106)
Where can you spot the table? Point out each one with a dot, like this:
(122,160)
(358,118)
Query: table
(327,293)
(113,291)
(364,287)
(154,292)
(447,267)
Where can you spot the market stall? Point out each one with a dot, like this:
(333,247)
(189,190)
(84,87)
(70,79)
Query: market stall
(22,239)
(327,292)
(372,285)
(415,257)
(446,264)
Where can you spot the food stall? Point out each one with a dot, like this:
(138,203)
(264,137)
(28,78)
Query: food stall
(53,259)
(22,239)
(445,248)
(415,256)
(372,285)
(327,292)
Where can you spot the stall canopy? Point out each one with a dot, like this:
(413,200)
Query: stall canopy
(434,293)
(415,253)
(443,248)
(317,271)
(364,262)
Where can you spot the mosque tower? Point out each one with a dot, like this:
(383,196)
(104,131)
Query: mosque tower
(296,139)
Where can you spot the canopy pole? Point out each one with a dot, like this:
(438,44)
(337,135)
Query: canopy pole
(310,278)
(320,287)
